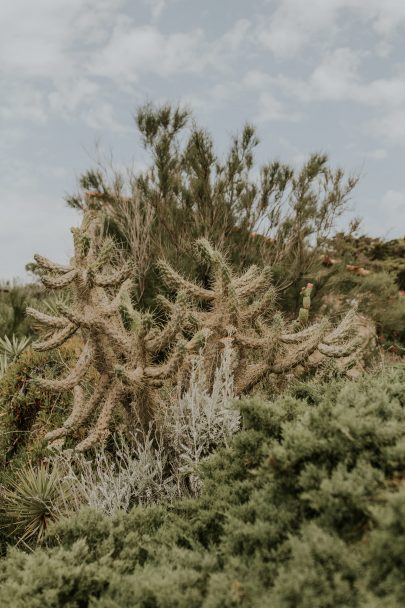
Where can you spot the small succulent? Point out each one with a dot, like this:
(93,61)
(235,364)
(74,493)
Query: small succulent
(14,347)
(10,350)
(31,500)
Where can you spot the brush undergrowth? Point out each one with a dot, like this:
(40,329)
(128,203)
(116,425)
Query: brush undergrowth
(26,409)
(304,509)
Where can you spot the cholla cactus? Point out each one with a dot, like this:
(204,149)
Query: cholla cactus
(123,345)
(119,343)
(230,305)
(241,310)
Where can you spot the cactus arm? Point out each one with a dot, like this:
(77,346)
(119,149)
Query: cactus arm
(300,336)
(73,316)
(82,409)
(48,320)
(101,431)
(76,374)
(174,280)
(339,350)
(247,277)
(249,377)
(117,335)
(303,313)
(251,341)
(344,328)
(263,305)
(57,339)
(130,377)
(59,282)
(169,367)
(51,266)
(165,336)
(114,278)
(113,306)
(254,284)
(172,327)
(198,340)
(297,356)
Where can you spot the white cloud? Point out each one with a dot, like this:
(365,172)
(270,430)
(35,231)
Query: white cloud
(51,62)
(256,86)
(233,38)
(42,56)
(71,94)
(21,100)
(102,116)
(134,51)
(391,126)
(42,44)
(388,15)
(271,109)
(383,49)
(296,24)
(338,78)
(156,7)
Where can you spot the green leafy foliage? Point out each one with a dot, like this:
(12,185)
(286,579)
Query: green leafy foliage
(304,509)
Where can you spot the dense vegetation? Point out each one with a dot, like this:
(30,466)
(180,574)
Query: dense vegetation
(206,405)
(305,508)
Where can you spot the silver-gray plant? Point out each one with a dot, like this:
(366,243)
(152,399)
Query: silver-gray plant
(202,419)
(136,474)
(151,468)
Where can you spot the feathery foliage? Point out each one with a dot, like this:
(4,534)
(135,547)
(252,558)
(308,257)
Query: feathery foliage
(282,217)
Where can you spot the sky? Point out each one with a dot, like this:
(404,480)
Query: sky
(312,75)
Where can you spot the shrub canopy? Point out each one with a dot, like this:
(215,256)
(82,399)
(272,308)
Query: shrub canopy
(304,509)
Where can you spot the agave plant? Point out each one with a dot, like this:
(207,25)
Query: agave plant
(10,350)
(32,499)
(14,347)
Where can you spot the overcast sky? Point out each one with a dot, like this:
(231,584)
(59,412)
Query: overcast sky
(313,75)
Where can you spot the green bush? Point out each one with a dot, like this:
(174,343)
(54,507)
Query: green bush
(26,410)
(14,298)
(377,295)
(305,509)
(189,191)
